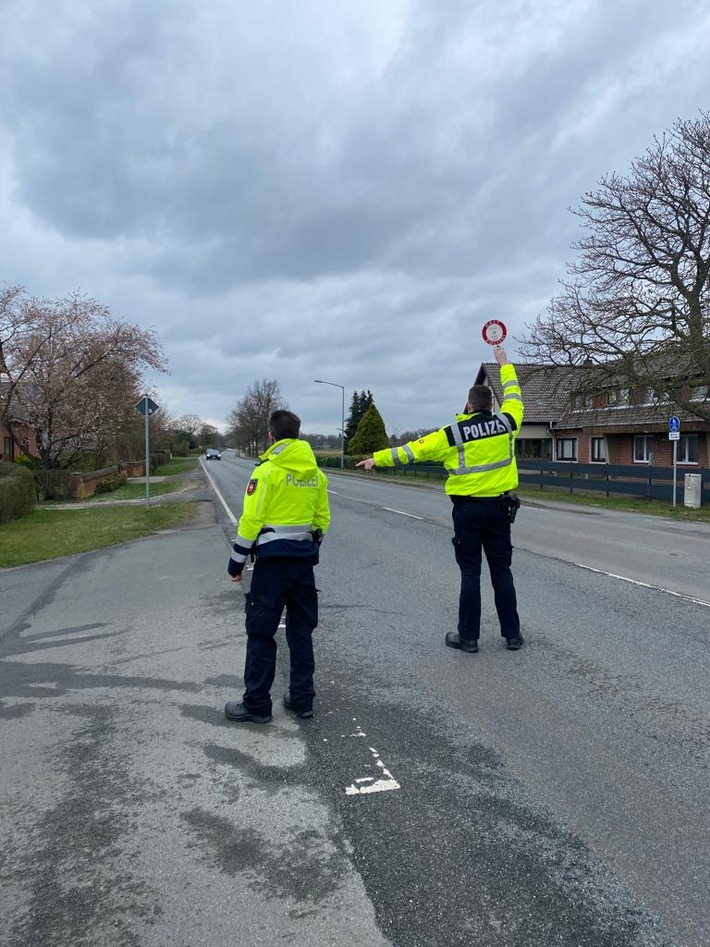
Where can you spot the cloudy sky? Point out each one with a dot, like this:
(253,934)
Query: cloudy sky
(301,189)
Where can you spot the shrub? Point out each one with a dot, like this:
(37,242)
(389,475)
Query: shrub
(54,484)
(17,492)
(111,483)
(333,460)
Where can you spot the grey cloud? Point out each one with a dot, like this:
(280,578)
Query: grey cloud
(346,192)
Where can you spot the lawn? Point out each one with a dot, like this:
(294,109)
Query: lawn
(136,491)
(49,534)
(178,465)
(625,504)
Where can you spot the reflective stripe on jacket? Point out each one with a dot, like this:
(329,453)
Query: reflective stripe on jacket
(477,450)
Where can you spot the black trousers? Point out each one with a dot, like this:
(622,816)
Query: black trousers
(279,583)
(482,525)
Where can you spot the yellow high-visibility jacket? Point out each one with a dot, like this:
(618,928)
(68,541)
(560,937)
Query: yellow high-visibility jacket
(478,450)
(285,503)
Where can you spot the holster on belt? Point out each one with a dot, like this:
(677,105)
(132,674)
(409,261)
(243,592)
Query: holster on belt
(511,504)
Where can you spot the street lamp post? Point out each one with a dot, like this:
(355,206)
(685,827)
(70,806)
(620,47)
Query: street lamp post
(342,417)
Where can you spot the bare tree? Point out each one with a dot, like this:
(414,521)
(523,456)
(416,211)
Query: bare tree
(397,438)
(636,310)
(208,434)
(72,369)
(189,423)
(248,422)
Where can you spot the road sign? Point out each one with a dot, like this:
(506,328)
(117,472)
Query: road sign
(494,332)
(674,435)
(673,424)
(146,406)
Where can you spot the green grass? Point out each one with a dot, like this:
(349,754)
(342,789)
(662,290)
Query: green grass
(49,534)
(136,491)
(178,465)
(625,504)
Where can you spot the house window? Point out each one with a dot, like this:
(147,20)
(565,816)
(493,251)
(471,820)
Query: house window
(700,392)
(618,397)
(688,449)
(533,449)
(582,402)
(598,450)
(566,448)
(643,448)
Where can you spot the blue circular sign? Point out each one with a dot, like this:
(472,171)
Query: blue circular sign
(674,424)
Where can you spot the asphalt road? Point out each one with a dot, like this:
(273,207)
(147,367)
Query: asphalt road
(552,796)
(555,795)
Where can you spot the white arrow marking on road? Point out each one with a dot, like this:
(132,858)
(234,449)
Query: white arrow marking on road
(367,784)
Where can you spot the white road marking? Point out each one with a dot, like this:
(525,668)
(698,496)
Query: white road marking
(402,513)
(644,585)
(367,784)
(231,516)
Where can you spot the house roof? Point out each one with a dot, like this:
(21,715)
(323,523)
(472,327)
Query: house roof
(547,391)
(546,388)
(17,413)
(627,417)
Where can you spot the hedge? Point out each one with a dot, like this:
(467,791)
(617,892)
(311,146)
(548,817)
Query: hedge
(333,460)
(17,492)
(159,458)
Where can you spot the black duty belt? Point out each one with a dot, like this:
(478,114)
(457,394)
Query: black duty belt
(456,499)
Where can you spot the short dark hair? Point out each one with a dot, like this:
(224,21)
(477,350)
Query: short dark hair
(284,424)
(480,397)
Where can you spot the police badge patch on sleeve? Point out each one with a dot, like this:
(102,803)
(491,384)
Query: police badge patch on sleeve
(252,487)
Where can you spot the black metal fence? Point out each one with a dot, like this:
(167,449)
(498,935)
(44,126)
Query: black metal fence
(642,480)
(652,483)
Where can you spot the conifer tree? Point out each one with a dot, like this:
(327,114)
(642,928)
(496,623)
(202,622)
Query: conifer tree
(371,434)
(361,401)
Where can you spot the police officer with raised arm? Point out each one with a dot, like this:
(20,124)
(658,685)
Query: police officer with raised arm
(284,518)
(478,452)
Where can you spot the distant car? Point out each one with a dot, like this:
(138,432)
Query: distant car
(212,454)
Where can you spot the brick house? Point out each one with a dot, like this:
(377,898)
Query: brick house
(9,449)
(617,425)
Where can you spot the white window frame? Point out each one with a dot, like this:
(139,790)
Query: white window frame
(592,458)
(647,448)
(683,444)
(618,397)
(559,441)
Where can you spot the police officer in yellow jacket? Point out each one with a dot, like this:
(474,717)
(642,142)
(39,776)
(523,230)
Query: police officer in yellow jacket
(284,518)
(478,452)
